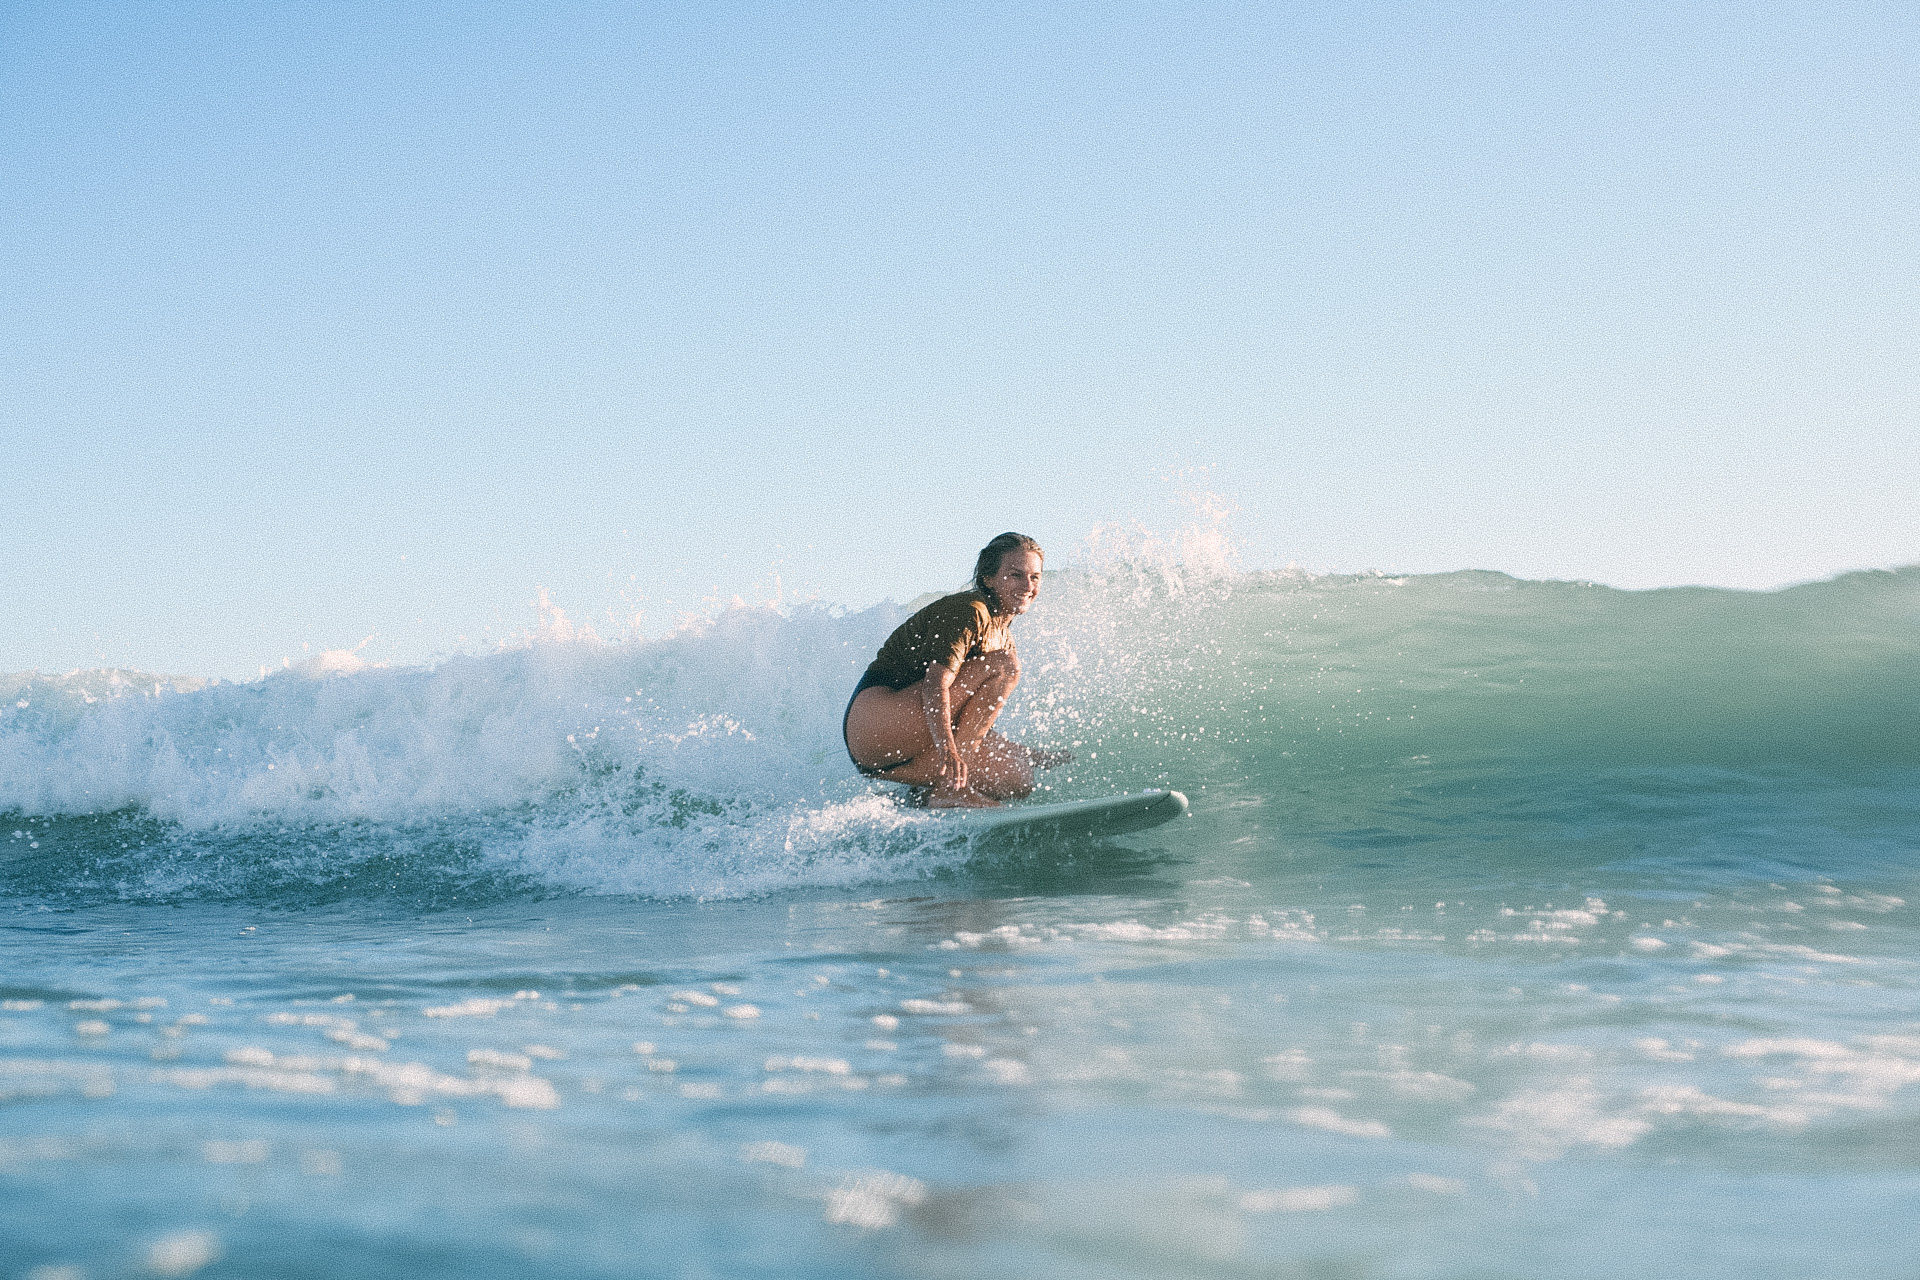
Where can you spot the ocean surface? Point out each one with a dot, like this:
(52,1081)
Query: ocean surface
(1518,929)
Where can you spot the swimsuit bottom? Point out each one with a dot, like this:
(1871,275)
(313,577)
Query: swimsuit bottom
(871,681)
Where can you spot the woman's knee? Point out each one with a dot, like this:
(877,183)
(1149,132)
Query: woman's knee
(1005,772)
(999,664)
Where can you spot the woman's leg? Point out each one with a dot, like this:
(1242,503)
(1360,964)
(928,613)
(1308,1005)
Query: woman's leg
(980,694)
(999,768)
(887,730)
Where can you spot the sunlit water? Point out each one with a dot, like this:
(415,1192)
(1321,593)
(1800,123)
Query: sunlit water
(1518,929)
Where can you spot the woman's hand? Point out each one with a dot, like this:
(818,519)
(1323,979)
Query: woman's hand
(953,768)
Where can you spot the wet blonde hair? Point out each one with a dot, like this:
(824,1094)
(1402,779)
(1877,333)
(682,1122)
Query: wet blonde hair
(993,553)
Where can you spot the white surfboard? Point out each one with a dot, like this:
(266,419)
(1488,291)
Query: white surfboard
(1070,819)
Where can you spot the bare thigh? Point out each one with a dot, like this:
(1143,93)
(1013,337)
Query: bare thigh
(888,727)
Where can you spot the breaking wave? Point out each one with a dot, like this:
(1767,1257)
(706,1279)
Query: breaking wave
(709,762)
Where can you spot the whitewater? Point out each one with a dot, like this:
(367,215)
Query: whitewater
(1518,929)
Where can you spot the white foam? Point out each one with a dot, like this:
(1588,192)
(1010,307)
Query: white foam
(1299,1199)
(1436,1184)
(1211,926)
(1863,1075)
(700,998)
(359,1040)
(498,1060)
(770,1152)
(1658,1050)
(1333,1122)
(622,764)
(1565,918)
(1671,1100)
(273,1079)
(825,1066)
(1293,1065)
(475,1007)
(873,1201)
(183,1253)
(1544,1123)
(1539,1052)
(704,763)
(407,1083)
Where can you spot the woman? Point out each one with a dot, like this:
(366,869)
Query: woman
(923,713)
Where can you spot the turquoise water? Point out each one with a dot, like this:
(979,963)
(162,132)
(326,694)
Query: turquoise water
(1518,929)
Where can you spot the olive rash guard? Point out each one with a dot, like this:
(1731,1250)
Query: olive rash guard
(946,633)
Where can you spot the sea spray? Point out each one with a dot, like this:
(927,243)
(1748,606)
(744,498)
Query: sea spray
(709,762)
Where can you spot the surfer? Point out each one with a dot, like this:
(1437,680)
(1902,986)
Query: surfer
(923,713)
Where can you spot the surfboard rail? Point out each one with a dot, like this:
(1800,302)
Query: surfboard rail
(1067,819)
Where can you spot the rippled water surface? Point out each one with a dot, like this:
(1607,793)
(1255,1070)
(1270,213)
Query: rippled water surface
(1518,929)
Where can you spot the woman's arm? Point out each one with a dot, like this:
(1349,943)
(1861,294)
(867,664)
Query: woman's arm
(936,698)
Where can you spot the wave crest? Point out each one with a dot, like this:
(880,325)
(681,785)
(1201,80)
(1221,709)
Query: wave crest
(710,761)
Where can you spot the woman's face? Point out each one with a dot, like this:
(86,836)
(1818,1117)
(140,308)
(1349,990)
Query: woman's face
(1017,584)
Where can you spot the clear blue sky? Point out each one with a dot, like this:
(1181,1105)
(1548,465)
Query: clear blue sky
(331,320)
